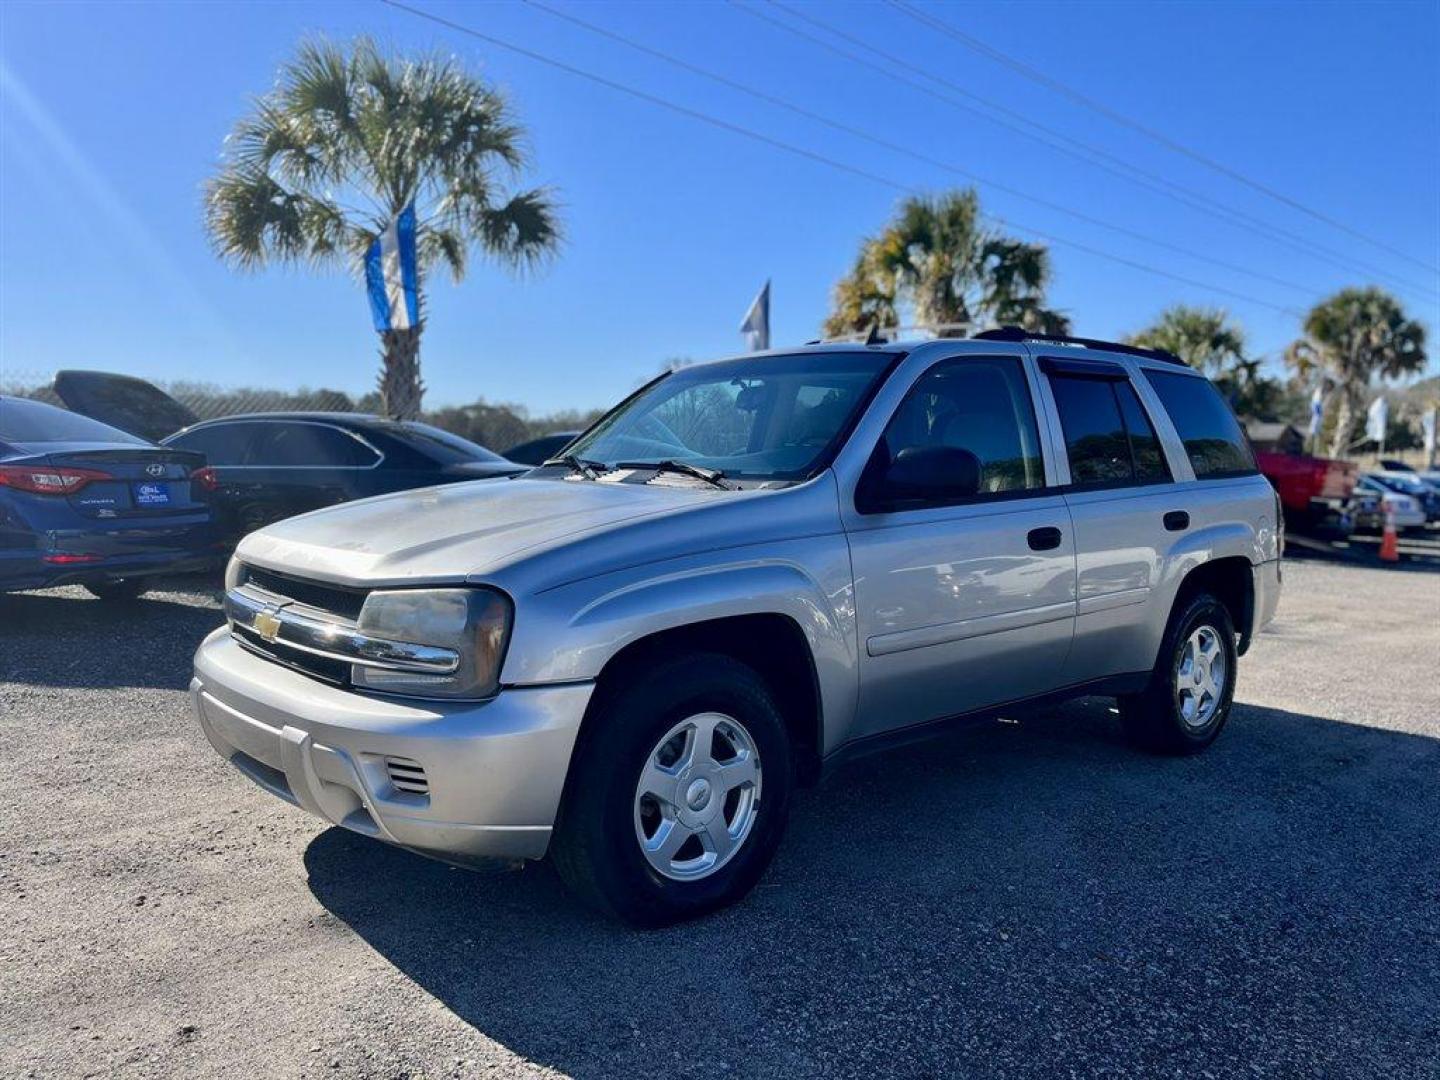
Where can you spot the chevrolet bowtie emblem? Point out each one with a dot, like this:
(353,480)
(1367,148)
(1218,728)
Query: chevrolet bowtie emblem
(267,625)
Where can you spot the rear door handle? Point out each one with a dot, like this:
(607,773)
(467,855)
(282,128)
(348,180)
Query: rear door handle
(1177,521)
(1044,539)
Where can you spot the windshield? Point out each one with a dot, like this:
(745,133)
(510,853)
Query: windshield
(24,421)
(759,417)
(1407,485)
(444,447)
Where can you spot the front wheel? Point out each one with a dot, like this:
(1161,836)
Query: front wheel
(680,792)
(1188,700)
(120,591)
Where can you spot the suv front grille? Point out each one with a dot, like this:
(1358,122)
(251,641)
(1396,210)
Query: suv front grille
(333,599)
(323,668)
(337,601)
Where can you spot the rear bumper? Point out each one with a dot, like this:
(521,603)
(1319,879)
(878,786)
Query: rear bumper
(111,548)
(493,772)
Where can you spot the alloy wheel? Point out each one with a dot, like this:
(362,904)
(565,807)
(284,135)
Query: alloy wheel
(698,796)
(1200,677)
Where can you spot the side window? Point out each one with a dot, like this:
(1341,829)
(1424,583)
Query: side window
(981,405)
(1145,449)
(1213,439)
(223,444)
(313,445)
(1108,438)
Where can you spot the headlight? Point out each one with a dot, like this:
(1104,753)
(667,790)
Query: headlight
(472,623)
(234,571)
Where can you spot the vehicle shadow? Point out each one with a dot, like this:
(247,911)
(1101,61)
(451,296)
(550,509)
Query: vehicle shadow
(1028,897)
(67,638)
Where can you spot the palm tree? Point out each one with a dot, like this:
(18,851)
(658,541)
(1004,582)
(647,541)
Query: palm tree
(938,258)
(1210,341)
(346,141)
(1204,338)
(1351,339)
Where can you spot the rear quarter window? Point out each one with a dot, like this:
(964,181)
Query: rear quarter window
(1213,439)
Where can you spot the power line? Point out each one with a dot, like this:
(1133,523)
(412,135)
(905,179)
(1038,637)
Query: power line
(810,155)
(1038,76)
(896,69)
(877,140)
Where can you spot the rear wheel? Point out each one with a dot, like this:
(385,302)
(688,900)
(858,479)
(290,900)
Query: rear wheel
(1188,700)
(679,792)
(122,590)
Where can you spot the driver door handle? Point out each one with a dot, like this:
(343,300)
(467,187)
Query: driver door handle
(1046,538)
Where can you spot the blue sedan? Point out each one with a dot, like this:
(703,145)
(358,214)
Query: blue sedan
(85,503)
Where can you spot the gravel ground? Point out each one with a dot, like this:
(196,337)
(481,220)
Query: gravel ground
(1027,898)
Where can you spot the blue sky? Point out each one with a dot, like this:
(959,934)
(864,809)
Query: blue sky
(112,116)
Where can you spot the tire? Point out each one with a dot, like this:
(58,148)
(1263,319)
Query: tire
(1160,718)
(121,591)
(597,847)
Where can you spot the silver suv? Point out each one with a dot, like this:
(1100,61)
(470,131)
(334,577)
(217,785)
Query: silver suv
(750,570)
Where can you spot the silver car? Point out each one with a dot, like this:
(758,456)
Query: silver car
(628,659)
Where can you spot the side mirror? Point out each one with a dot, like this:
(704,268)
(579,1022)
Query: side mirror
(932,474)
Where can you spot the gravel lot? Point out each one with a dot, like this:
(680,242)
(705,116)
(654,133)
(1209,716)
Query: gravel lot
(1030,897)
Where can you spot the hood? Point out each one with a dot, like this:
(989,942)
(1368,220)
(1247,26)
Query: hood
(456,531)
(127,403)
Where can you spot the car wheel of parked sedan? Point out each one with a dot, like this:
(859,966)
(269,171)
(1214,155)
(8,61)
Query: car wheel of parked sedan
(679,792)
(122,590)
(1188,699)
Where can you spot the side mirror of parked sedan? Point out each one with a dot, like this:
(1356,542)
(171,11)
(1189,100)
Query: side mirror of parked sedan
(931,474)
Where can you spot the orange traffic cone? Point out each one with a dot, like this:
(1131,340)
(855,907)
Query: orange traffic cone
(1389,543)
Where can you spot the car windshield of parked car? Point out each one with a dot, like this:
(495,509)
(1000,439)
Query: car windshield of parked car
(444,447)
(1406,485)
(24,421)
(758,417)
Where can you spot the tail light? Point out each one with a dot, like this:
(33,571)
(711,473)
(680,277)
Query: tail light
(205,479)
(48,480)
(67,558)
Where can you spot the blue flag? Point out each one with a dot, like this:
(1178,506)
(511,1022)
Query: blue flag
(390,275)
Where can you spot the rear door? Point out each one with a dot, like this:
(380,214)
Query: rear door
(967,604)
(1126,506)
(298,465)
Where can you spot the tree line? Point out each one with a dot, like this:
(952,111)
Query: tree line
(937,263)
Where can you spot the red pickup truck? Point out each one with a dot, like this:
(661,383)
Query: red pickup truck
(1315,492)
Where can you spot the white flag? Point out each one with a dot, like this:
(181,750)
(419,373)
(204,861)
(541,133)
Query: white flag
(1427,425)
(1376,419)
(756,326)
(1317,409)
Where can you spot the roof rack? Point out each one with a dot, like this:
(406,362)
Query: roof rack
(1016,333)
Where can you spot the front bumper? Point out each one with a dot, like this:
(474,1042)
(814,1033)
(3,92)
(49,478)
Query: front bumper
(493,771)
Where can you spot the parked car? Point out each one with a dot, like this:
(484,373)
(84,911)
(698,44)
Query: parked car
(1367,511)
(538,451)
(84,503)
(1405,510)
(1409,483)
(1315,492)
(267,466)
(747,572)
(270,466)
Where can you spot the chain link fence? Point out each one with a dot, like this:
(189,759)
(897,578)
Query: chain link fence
(495,425)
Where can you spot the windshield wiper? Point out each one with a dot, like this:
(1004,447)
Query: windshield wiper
(590,470)
(710,476)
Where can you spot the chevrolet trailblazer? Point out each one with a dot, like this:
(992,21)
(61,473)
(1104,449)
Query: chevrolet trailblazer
(629,657)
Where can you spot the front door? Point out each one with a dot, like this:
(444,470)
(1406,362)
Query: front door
(972,603)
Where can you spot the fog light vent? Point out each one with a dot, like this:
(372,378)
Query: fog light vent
(407,775)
